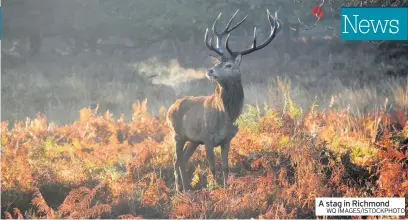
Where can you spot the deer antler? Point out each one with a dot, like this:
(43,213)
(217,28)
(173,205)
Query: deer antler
(275,28)
(219,35)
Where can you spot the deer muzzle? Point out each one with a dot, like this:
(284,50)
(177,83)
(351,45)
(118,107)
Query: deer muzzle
(211,74)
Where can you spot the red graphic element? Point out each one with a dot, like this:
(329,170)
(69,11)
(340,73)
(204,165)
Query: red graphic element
(318,11)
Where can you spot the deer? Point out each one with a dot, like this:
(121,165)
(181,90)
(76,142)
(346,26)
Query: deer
(209,120)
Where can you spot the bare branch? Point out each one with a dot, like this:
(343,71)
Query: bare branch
(317,20)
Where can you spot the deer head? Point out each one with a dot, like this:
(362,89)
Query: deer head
(228,61)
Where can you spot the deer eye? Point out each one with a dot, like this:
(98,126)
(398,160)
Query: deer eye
(228,66)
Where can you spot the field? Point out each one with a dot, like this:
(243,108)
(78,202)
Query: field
(281,159)
(83,133)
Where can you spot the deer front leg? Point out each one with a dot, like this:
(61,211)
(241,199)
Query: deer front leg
(224,158)
(178,164)
(209,151)
(188,152)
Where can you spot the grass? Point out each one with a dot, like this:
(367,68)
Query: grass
(315,131)
(281,159)
(60,86)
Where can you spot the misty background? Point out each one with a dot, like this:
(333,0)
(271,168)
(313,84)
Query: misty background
(59,56)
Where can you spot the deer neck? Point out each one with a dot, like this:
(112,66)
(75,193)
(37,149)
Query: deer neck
(229,96)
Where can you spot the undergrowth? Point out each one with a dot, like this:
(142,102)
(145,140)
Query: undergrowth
(281,159)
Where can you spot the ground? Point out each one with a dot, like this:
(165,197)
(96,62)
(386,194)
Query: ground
(281,159)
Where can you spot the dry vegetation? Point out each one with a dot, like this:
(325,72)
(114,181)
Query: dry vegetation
(333,124)
(281,159)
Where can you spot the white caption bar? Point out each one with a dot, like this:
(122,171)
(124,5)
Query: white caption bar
(383,206)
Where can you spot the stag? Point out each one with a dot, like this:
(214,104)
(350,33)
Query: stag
(209,120)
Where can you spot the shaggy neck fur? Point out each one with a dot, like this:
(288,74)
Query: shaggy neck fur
(229,96)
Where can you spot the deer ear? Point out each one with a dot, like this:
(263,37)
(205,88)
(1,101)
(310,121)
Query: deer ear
(238,59)
(214,59)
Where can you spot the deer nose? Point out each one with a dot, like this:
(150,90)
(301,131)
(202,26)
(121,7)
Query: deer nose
(210,72)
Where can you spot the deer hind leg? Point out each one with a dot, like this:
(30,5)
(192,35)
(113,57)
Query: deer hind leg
(178,164)
(188,152)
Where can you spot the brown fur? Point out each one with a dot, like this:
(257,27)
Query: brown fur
(203,118)
(206,120)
